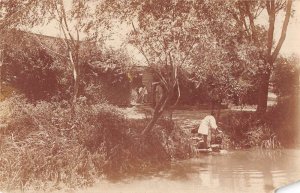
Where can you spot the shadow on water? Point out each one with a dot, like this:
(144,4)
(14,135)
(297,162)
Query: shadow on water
(238,171)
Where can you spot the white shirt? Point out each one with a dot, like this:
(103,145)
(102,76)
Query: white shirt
(140,90)
(209,122)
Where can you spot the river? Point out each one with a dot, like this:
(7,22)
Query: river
(252,171)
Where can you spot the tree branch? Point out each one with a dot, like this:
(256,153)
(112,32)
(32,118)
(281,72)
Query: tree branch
(279,5)
(188,53)
(178,88)
(271,28)
(141,49)
(64,18)
(251,20)
(283,31)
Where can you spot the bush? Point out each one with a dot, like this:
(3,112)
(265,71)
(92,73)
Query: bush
(107,79)
(43,146)
(38,149)
(174,139)
(284,119)
(26,62)
(245,130)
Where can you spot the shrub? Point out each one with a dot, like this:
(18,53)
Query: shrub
(284,119)
(28,62)
(43,146)
(108,79)
(37,150)
(235,124)
(245,130)
(175,141)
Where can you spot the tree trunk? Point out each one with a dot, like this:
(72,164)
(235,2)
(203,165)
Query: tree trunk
(158,111)
(171,114)
(271,57)
(76,85)
(151,124)
(298,85)
(1,64)
(298,105)
(263,94)
(75,90)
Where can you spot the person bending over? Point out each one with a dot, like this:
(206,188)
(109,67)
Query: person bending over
(206,126)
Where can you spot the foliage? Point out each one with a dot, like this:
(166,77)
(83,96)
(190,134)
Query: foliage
(29,57)
(245,130)
(286,76)
(25,63)
(174,140)
(74,22)
(187,34)
(192,35)
(166,39)
(42,146)
(166,33)
(262,38)
(284,119)
(284,116)
(107,79)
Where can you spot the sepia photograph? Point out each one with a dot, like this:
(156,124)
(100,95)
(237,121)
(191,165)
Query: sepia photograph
(149,96)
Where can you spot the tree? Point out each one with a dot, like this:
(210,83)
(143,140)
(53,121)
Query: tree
(166,39)
(221,67)
(286,77)
(106,76)
(8,19)
(73,23)
(246,14)
(1,65)
(166,34)
(185,36)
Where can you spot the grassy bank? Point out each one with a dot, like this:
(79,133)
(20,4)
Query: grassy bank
(275,129)
(42,146)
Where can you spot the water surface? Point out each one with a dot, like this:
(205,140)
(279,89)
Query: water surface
(252,171)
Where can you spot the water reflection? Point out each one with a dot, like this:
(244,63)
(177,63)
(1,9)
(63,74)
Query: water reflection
(237,172)
(244,171)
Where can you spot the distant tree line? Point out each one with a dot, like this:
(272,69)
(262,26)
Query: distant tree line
(218,47)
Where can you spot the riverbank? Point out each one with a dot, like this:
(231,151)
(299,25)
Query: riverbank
(44,146)
(242,128)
